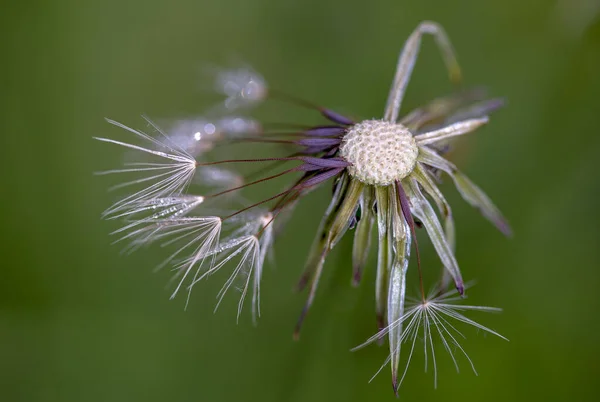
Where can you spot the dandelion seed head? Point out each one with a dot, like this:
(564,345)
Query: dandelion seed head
(384,176)
(380,152)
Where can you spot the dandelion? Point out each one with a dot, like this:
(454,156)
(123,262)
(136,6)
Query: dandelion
(384,172)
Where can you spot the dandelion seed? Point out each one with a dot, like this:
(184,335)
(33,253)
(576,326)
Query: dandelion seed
(250,243)
(196,236)
(169,175)
(242,86)
(218,178)
(384,174)
(428,318)
(199,135)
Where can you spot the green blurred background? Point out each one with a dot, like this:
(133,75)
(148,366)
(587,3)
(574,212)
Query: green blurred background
(79,322)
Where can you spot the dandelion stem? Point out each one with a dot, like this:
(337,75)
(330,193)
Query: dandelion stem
(264,169)
(257,204)
(278,211)
(253,182)
(275,94)
(328,114)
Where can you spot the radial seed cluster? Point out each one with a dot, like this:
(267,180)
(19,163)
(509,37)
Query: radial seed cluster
(186,194)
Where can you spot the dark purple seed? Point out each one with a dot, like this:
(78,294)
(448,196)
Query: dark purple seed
(335,117)
(325,131)
(313,150)
(320,177)
(325,163)
(404,204)
(319,142)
